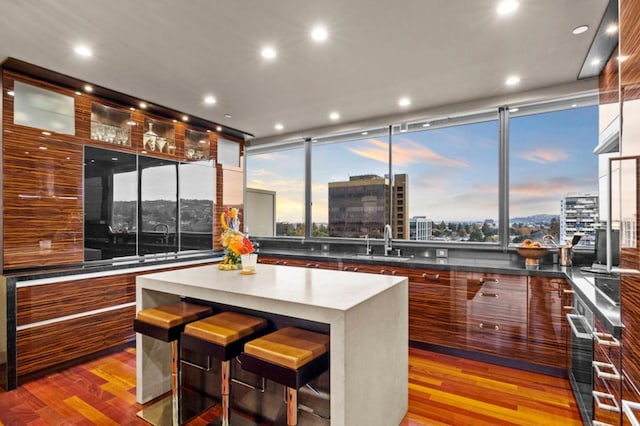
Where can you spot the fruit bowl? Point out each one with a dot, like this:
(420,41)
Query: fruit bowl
(532,252)
(532,255)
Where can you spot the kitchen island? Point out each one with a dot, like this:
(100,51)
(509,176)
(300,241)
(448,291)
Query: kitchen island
(367,315)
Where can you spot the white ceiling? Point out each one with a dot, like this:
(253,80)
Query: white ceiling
(172,52)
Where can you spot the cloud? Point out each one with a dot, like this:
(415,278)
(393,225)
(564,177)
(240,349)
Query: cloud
(405,152)
(544,155)
(544,187)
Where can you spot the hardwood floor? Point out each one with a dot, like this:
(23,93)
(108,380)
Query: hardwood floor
(443,390)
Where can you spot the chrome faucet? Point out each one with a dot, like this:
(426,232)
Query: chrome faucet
(366,240)
(387,239)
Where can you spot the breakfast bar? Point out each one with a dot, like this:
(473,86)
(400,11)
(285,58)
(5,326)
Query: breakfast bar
(367,315)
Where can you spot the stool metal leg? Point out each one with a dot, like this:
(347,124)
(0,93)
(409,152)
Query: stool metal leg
(225,374)
(292,406)
(175,381)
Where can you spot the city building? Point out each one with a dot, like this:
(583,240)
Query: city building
(579,214)
(420,228)
(357,207)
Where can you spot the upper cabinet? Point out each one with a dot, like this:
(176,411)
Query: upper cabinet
(159,137)
(43,109)
(196,146)
(111,125)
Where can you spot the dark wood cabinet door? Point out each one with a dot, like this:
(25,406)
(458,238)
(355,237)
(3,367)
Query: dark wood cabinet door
(546,325)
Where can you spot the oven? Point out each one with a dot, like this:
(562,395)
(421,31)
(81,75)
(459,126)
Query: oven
(580,356)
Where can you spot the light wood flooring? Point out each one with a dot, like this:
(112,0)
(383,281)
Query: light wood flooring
(443,390)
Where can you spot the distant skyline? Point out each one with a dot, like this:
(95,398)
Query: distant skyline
(452,171)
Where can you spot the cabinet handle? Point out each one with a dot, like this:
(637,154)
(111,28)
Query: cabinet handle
(350,269)
(490,326)
(475,281)
(491,280)
(600,396)
(565,291)
(605,339)
(281,262)
(312,265)
(434,277)
(485,294)
(383,272)
(627,409)
(600,366)
(567,308)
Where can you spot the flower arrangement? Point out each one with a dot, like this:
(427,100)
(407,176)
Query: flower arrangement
(235,243)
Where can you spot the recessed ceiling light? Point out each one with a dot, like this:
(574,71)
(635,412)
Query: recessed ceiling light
(88,88)
(596,61)
(227,116)
(82,50)
(143,152)
(131,123)
(612,29)
(319,33)
(209,100)
(505,7)
(219,129)
(175,121)
(364,133)
(46,133)
(426,125)
(334,115)
(185,118)
(514,109)
(78,93)
(142,105)
(278,126)
(581,29)
(11,93)
(574,105)
(404,102)
(512,80)
(268,52)
(132,108)
(44,148)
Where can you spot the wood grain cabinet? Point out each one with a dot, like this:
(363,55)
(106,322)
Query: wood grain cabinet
(549,299)
(492,309)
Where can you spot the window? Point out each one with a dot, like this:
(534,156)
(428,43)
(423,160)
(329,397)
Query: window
(450,183)
(275,181)
(553,175)
(350,185)
(197,194)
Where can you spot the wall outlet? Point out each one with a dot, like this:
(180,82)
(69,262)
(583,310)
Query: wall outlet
(442,252)
(324,247)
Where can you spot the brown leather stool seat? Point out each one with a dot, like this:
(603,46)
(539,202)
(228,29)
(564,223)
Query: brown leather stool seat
(291,357)
(222,336)
(165,323)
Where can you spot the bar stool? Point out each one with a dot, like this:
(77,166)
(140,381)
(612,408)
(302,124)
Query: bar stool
(165,323)
(222,336)
(291,357)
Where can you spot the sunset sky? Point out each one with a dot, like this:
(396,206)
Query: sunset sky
(453,172)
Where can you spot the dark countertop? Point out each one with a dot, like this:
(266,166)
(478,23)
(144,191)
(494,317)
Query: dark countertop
(582,282)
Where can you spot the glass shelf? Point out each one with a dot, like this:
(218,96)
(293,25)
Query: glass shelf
(158,137)
(110,125)
(196,146)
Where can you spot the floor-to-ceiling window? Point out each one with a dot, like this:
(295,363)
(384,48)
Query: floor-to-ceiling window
(275,182)
(553,174)
(451,169)
(350,185)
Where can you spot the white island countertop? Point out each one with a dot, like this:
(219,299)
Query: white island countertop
(367,315)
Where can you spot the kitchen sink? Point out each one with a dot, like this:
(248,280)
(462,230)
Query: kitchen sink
(382,258)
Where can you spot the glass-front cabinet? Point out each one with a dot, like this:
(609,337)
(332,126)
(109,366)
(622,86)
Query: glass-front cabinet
(111,125)
(159,137)
(196,146)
